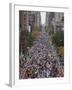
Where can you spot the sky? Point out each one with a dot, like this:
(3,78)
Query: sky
(43,15)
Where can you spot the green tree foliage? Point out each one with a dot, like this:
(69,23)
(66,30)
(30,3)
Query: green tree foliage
(58,38)
(26,40)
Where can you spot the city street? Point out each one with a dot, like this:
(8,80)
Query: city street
(42,60)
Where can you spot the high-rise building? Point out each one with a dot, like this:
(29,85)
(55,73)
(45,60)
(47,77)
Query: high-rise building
(28,21)
(54,21)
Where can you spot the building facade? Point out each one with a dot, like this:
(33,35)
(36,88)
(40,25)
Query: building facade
(28,21)
(55,21)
